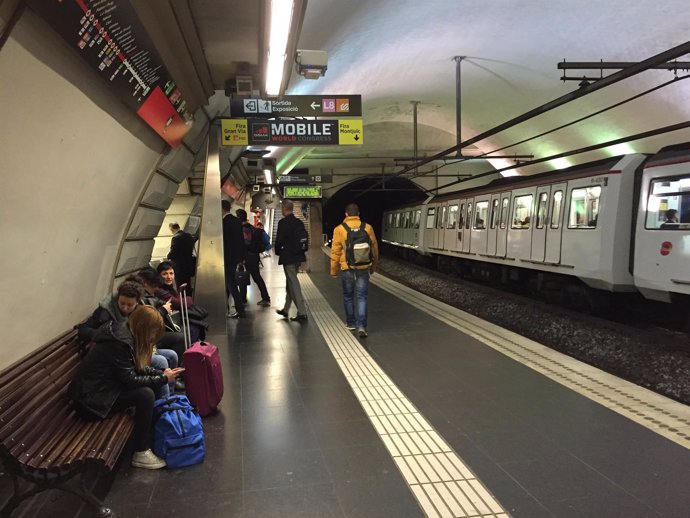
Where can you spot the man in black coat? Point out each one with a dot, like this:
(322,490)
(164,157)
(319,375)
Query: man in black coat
(287,246)
(234,253)
(182,254)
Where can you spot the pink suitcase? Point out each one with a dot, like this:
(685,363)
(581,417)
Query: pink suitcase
(203,375)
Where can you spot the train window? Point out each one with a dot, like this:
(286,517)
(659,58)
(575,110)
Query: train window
(522,211)
(430,217)
(556,207)
(541,209)
(668,207)
(504,212)
(584,207)
(410,219)
(452,216)
(461,216)
(494,214)
(441,219)
(468,220)
(417,218)
(481,212)
(396,220)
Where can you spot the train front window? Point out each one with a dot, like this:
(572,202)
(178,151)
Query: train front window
(668,206)
(430,217)
(584,207)
(522,211)
(452,216)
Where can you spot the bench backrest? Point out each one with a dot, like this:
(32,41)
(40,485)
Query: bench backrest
(31,390)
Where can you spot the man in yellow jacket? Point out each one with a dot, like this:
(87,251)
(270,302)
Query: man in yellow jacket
(354,253)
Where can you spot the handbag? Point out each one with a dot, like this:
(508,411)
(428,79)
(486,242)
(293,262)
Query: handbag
(241,276)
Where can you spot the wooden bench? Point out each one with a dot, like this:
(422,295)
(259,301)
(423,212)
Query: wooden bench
(41,439)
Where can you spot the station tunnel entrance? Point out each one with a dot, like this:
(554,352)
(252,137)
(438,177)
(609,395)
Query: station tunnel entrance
(372,203)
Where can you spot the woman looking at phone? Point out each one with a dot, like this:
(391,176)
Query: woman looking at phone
(116,375)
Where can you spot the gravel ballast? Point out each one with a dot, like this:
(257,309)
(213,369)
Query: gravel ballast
(654,358)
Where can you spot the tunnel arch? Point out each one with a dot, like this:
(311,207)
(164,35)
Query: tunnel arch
(372,204)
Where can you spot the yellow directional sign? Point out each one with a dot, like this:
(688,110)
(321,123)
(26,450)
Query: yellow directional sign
(234,132)
(350,131)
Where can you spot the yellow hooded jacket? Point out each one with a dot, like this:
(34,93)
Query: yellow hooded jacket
(338,261)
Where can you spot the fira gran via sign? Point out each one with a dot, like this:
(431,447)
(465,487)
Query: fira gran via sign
(257,132)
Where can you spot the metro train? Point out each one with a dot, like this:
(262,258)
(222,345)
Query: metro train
(616,225)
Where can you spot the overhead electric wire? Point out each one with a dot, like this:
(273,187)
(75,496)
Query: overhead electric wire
(616,77)
(594,147)
(563,126)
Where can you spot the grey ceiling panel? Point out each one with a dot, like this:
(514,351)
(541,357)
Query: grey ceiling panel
(160,192)
(177,164)
(196,135)
(134,256)
(146,223)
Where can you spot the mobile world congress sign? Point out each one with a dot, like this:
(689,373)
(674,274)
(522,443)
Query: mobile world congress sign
(299,106)
(258,132)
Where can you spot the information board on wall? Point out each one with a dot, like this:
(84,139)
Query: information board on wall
(257,132)
(302,191)
(109,37)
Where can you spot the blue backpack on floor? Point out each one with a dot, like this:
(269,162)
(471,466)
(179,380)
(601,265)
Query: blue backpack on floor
(179,435)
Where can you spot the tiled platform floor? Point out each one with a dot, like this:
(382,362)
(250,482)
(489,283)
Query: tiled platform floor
(292,440)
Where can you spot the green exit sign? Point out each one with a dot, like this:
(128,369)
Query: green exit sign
(302,191)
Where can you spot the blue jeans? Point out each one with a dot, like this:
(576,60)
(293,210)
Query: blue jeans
(355,292)
(164,359)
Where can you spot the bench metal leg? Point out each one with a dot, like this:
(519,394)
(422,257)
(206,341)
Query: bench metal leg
(82,491)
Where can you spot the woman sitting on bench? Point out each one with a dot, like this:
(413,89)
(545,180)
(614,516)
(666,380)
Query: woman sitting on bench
(116,375)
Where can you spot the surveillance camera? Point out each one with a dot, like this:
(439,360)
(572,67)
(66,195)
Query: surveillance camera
(311,64)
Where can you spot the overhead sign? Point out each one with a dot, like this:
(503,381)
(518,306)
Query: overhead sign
(108,35)
(289,178)
(299,106)
(295,191)
(234,132)
(259,132)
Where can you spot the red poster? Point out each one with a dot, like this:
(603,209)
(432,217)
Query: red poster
(160,114)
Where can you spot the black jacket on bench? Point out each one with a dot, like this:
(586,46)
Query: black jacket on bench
(107,370)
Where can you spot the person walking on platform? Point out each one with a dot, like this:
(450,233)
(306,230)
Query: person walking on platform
(254,244)
(354,253)
(234,253)
(182,254)
(290,245)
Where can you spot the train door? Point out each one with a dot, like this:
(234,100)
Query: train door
(492,224)
(554,232)
(540,226)
(467,227)
(451,236)
(441,225)
(428,226)
(460,232)
(503,221)
(415,226)
(479,225)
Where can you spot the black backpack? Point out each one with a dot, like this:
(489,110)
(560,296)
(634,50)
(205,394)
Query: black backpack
(301,240)
(253,239)
(358,247)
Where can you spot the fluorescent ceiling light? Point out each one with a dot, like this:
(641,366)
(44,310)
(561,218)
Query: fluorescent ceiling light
(281,21)
(268,176)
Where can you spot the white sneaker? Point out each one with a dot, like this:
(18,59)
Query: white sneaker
(147,460)
(362,332)
(350,328)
